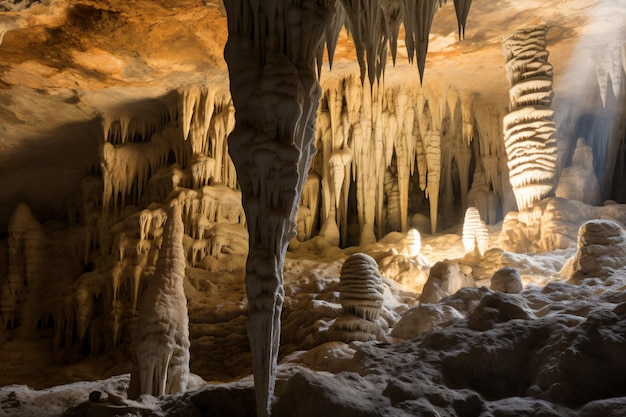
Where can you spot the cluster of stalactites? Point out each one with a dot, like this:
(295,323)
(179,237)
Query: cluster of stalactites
(529,126)
(138,147)
(373,24)
(149,156)
(381,140)
(610,69)
(206,118)
(34,294)
(137,124)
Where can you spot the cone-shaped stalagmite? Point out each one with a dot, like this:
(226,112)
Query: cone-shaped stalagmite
(162,322)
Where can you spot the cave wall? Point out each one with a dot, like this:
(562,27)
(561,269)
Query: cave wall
(414,157)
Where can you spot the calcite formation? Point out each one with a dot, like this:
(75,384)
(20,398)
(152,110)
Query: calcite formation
(601,251)
(475,234)
(445,279)
(361,296)
(389,154)
(552,224)
(162,335)
(529,128)
(506,280)
(579,181)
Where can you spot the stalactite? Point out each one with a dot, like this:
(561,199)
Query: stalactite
(338,162)
(127,168)
(529,127)
(275,94)
(611,64)
(308,212)
(492,154)
(432,148)
(393,220)
(462,8)
(418,19)
(369,31)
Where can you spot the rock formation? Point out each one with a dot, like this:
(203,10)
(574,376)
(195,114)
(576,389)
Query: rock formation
(578,181)
(140,123)
(361,296)
(506,280)
(445,279)
(529,126)
(162,335)
(475,234)
(601,251)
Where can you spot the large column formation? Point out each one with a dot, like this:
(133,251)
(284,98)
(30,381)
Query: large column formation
(529,127)
(271,52)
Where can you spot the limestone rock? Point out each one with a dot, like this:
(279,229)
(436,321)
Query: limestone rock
(497,308)
(601,251)
(507,280)
(445,279)
(423,318)
(361,297)
(579,181)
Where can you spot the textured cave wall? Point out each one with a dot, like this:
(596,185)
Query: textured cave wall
(377,149)
(110,245)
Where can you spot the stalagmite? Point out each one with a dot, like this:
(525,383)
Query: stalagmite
(579,181)
(475,234)
(361,296)
(162,337)
(413,244)
(529,127)
(601,251)
(27,245)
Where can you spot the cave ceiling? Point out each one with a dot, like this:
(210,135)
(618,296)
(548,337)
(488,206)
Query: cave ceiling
(64,64)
